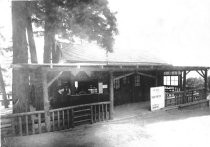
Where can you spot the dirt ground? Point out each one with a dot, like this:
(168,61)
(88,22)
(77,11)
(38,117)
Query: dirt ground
(174,128)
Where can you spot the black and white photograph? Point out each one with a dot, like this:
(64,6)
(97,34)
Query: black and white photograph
(105,73)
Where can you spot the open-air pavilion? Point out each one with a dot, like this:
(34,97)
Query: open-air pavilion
(86,88)
(110,89)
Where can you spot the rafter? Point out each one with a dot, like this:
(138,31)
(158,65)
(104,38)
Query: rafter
(122,76)
(146,75)
(55,78)
(201,74)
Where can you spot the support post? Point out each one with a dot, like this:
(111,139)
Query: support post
(46,101)
(111,94)
(184,81)
(206,82)
(156,78)
(184,85)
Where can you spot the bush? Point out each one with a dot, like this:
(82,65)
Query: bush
(195,83)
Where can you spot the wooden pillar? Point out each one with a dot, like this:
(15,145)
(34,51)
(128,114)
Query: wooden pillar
(133,88)
(156,78)
(184,85)
(206,82)
(184,80)
(46,100)
(180,82)
(111,94)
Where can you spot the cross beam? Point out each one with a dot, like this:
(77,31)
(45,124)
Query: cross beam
(55,78)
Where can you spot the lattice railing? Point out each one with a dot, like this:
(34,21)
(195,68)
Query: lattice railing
(183,97)
(62,118)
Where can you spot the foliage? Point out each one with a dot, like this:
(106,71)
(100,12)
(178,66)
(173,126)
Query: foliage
(195,82)
(87,19)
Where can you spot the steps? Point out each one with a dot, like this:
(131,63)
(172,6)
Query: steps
(82,115)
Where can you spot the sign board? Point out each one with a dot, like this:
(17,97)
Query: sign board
(100,87)
(105,86)
(157,98)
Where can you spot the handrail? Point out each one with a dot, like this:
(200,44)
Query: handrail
(22,114)
(190,90)
(27,123)
(52,110)
(76,106)
(183,97)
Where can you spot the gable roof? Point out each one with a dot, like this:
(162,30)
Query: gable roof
(91,53)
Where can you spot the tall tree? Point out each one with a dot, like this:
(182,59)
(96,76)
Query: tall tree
(20,55)
(87,19)
(23,43)
(31,42)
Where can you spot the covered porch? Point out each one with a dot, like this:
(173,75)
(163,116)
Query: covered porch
(47,119)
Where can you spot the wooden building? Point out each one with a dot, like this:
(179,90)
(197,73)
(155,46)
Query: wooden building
(88,89)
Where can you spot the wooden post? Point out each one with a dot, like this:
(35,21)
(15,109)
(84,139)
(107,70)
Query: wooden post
(184,80)
(133,88)
(46,101)
(184,85)
(206,82)
(111,94)
(156,78)
(180,82)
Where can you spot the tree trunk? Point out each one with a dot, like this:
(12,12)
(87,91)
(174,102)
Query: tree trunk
(49,29)
(31,39)
(48,42)
(20,55)
(2,88)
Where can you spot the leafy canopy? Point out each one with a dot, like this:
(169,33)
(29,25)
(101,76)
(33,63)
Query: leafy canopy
(87,19)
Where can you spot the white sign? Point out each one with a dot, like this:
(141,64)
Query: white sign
(100,87)
(105,86)
(157,98)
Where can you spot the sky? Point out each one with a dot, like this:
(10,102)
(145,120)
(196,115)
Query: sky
(178,31)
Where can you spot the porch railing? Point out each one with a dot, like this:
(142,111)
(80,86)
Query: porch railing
(63,118)
(183,97)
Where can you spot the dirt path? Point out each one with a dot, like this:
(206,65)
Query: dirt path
(187,128)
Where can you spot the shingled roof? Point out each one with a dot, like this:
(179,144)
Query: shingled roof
(86,52)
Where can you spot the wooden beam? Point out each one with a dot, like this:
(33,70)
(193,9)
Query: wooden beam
(55,78)
(201,74)
(46,100)
(122,76)
(187,72)
(146,75)
(111,94)
(156,78)
(184,80)
(206,82)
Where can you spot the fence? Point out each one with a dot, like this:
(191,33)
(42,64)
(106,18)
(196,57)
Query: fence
(183,97)
(63,118)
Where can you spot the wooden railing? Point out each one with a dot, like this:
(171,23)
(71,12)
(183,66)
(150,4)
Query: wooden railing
(183,97)
(63,118)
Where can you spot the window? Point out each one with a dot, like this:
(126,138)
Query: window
(117,84)
(174,80)
(137,80)
(171,80)
(172,73)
